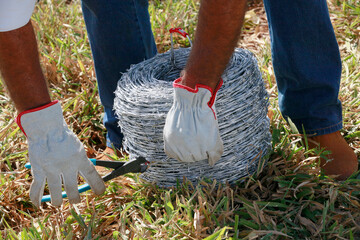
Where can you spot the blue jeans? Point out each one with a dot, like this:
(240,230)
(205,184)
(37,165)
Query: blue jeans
(120,35)
(305,56)
(307,64)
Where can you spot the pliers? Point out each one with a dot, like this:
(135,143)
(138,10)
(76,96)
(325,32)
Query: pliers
(139,165)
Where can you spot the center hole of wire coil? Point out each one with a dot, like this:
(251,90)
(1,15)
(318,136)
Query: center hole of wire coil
(168,73)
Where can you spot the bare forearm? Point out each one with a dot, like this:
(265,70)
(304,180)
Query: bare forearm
(20,68)
(217,33)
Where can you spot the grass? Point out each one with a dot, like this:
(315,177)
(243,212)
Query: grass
(286,200)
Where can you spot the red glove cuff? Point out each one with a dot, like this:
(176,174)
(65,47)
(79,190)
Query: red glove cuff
(176,84)
(18,118)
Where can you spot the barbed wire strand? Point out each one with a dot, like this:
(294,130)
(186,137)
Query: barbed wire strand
(144,96)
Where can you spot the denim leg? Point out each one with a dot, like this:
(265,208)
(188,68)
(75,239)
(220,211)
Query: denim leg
(120,35)
(307,64)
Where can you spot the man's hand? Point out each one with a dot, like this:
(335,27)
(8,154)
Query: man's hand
(56,155)
(191,131)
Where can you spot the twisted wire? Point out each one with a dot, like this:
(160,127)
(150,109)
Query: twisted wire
(144,96)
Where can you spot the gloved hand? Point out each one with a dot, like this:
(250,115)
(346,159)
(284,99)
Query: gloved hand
(56,155)
(191,131)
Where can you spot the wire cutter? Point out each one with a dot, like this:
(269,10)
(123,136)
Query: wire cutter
(139,165)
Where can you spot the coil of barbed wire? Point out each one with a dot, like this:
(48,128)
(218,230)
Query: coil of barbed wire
(144,96)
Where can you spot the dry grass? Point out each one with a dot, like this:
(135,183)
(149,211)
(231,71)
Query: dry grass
(288,199)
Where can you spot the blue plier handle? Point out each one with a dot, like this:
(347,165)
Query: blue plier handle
(139,165)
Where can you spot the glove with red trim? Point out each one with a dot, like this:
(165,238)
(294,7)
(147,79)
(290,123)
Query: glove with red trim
(56,155)
(191,131)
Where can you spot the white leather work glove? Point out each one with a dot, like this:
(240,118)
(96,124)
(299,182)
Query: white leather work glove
(191,131)
(56,155)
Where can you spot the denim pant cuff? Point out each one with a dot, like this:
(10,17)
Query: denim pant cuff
(111,144)
(321,131)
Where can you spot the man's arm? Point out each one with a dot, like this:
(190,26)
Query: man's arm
(191,131)
(56,154)
(217,32)
(20,68)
